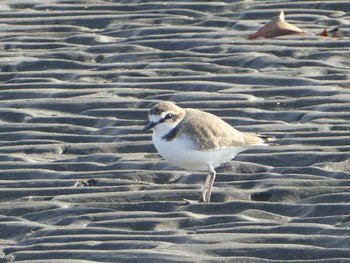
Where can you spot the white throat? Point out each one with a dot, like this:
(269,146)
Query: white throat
(164,128)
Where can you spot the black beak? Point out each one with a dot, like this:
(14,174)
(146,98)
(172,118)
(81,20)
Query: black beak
(149,126)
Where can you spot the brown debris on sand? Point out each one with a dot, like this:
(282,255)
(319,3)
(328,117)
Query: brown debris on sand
(333,33)
(276,27)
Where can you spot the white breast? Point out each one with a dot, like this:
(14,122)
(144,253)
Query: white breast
(181,152)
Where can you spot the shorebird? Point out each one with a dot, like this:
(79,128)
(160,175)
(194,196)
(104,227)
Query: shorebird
(196,140)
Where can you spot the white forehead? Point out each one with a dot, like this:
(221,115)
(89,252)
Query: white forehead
(157,117)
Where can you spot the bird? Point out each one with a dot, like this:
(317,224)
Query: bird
(196,140)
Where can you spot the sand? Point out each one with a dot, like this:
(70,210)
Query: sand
(80,182)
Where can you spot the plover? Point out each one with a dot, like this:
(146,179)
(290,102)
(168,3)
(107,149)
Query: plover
(196,140)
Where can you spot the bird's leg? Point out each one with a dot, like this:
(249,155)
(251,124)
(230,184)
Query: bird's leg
(209,184)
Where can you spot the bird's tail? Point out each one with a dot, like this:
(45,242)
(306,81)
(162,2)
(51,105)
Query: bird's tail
(269,140)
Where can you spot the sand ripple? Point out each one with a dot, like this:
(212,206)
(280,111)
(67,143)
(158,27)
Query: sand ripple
(79,182)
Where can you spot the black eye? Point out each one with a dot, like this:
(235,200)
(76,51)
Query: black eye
(168,116)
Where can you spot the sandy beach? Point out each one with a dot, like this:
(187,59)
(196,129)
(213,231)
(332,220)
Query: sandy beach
(80,182)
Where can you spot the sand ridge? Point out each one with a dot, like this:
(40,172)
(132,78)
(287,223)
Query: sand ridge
(80,182)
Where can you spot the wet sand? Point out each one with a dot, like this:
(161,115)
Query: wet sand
(80,182)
